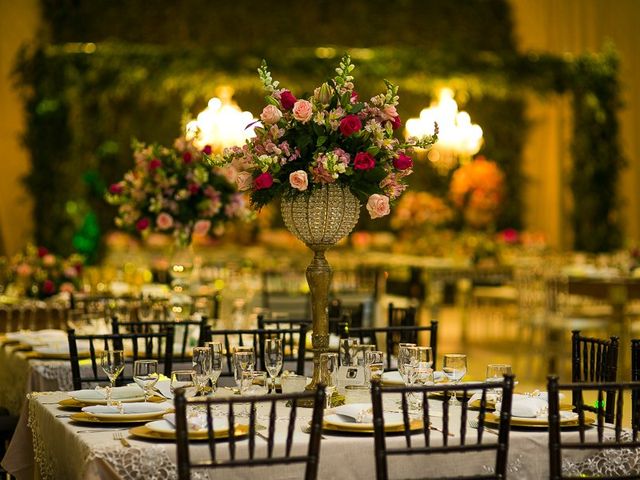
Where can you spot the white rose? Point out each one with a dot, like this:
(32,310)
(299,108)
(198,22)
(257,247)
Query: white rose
(378,205)
(244,180)
(302,111)
(270,114)
(299,180)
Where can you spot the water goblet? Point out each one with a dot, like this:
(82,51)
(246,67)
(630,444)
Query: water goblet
(402,358)
(348,351)
(360,353)
(454,366)
(496,373)
(329,374)
(374,365)
(215,350)
(183,379)
(112,363)
(145,374)
(244,362)
(273,358)
(202,367)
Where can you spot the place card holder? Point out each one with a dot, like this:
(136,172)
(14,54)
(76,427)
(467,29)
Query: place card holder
(350,375)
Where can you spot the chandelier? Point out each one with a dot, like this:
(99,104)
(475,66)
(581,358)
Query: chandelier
(458,138)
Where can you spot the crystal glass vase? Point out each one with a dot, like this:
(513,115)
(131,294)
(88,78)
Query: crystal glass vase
(320,219)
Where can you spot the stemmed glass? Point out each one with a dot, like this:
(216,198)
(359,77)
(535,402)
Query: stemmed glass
(329,374)
(112,362)
(183,379)
(244,362)
(273,357)
(145,374)
(454,366)
(201,366)
(348,351)
(496,373)
(215,350)
(402,358)
(374,365)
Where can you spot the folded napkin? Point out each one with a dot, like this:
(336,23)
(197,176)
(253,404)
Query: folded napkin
(198,421)
(529,406)
(100,393)
(356,412)
(127,408)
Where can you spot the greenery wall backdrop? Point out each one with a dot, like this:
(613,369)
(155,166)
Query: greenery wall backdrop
(86,100)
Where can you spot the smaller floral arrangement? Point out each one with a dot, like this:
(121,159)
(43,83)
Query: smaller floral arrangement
(175,191)
(419,210)
(477,189)
(330,137)
(38,273)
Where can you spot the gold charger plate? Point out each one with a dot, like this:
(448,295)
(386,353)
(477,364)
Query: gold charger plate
(54,356)
(491,405)
(73,403)
(493,419)
(145,432)
(414,426)
(84,417)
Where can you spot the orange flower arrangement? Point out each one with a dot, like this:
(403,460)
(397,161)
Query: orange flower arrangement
(419,209)
(477,189)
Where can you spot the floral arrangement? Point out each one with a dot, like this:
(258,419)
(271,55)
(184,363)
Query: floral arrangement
(175,191)
(39,273)
(417,210)
(329,137)
(476,189)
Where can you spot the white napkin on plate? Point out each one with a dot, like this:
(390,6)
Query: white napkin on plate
(117,393)
(199,422)
(529,406)
(127,408)
(356,412)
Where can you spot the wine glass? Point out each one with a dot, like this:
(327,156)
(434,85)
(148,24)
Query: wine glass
(496,373)
(273,357)
(215,350)
(112,362)
(424,357)
(374,365)
(145,374)
(454,366)
(402,358)
(244,361)
(201,363)
(183,379)
(329,374)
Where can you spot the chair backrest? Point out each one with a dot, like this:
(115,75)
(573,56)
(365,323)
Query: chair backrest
(635,360)
(293,344)
(594,360)
(276,452)
(184,332)
(395,335)
(605,446)
(426,445)
(136,346)
(401,316)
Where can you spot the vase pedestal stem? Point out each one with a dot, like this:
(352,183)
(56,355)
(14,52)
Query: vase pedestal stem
(319,280)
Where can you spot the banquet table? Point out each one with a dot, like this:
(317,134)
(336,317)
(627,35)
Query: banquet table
(48,445)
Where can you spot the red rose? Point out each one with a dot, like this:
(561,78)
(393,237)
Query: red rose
(193,188)
(364,161)
(207,150)
(350,125)
(142,224)
(262,181)
(42,251)
(402,162)
(115,188)
(48,287)
(187,157)
(155,163)
(396,122)
(287,100)
(354,96)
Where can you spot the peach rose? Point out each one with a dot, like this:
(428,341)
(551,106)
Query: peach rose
(299,180)
(164,221)
(270,115)
(49,260)
(302,111)
(244,180)
(378,205)
(202,227)
(389,112)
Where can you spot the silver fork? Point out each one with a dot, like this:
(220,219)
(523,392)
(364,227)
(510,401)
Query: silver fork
(123,441)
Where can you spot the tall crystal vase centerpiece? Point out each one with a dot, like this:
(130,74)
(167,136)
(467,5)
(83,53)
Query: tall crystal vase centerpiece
(320,219)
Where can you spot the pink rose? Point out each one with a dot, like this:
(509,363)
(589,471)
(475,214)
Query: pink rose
(378,205)
(270,115)
(154,164)
(354,96)
(67,287)
(194,188)
(24,270)
(364,161)
(115,188)
(202,227)
(164,221)
(299,180)
(244,181)
(187,157)
(263,181)
(350,125)
(303,111)
(287,100)
(70,272)
(142,224)
(402,162)
(389,112)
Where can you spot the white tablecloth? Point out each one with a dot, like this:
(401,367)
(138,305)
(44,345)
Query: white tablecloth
(56,447)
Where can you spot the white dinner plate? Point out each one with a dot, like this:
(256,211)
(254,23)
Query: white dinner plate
(164,426)
(99,397)
(131,411)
